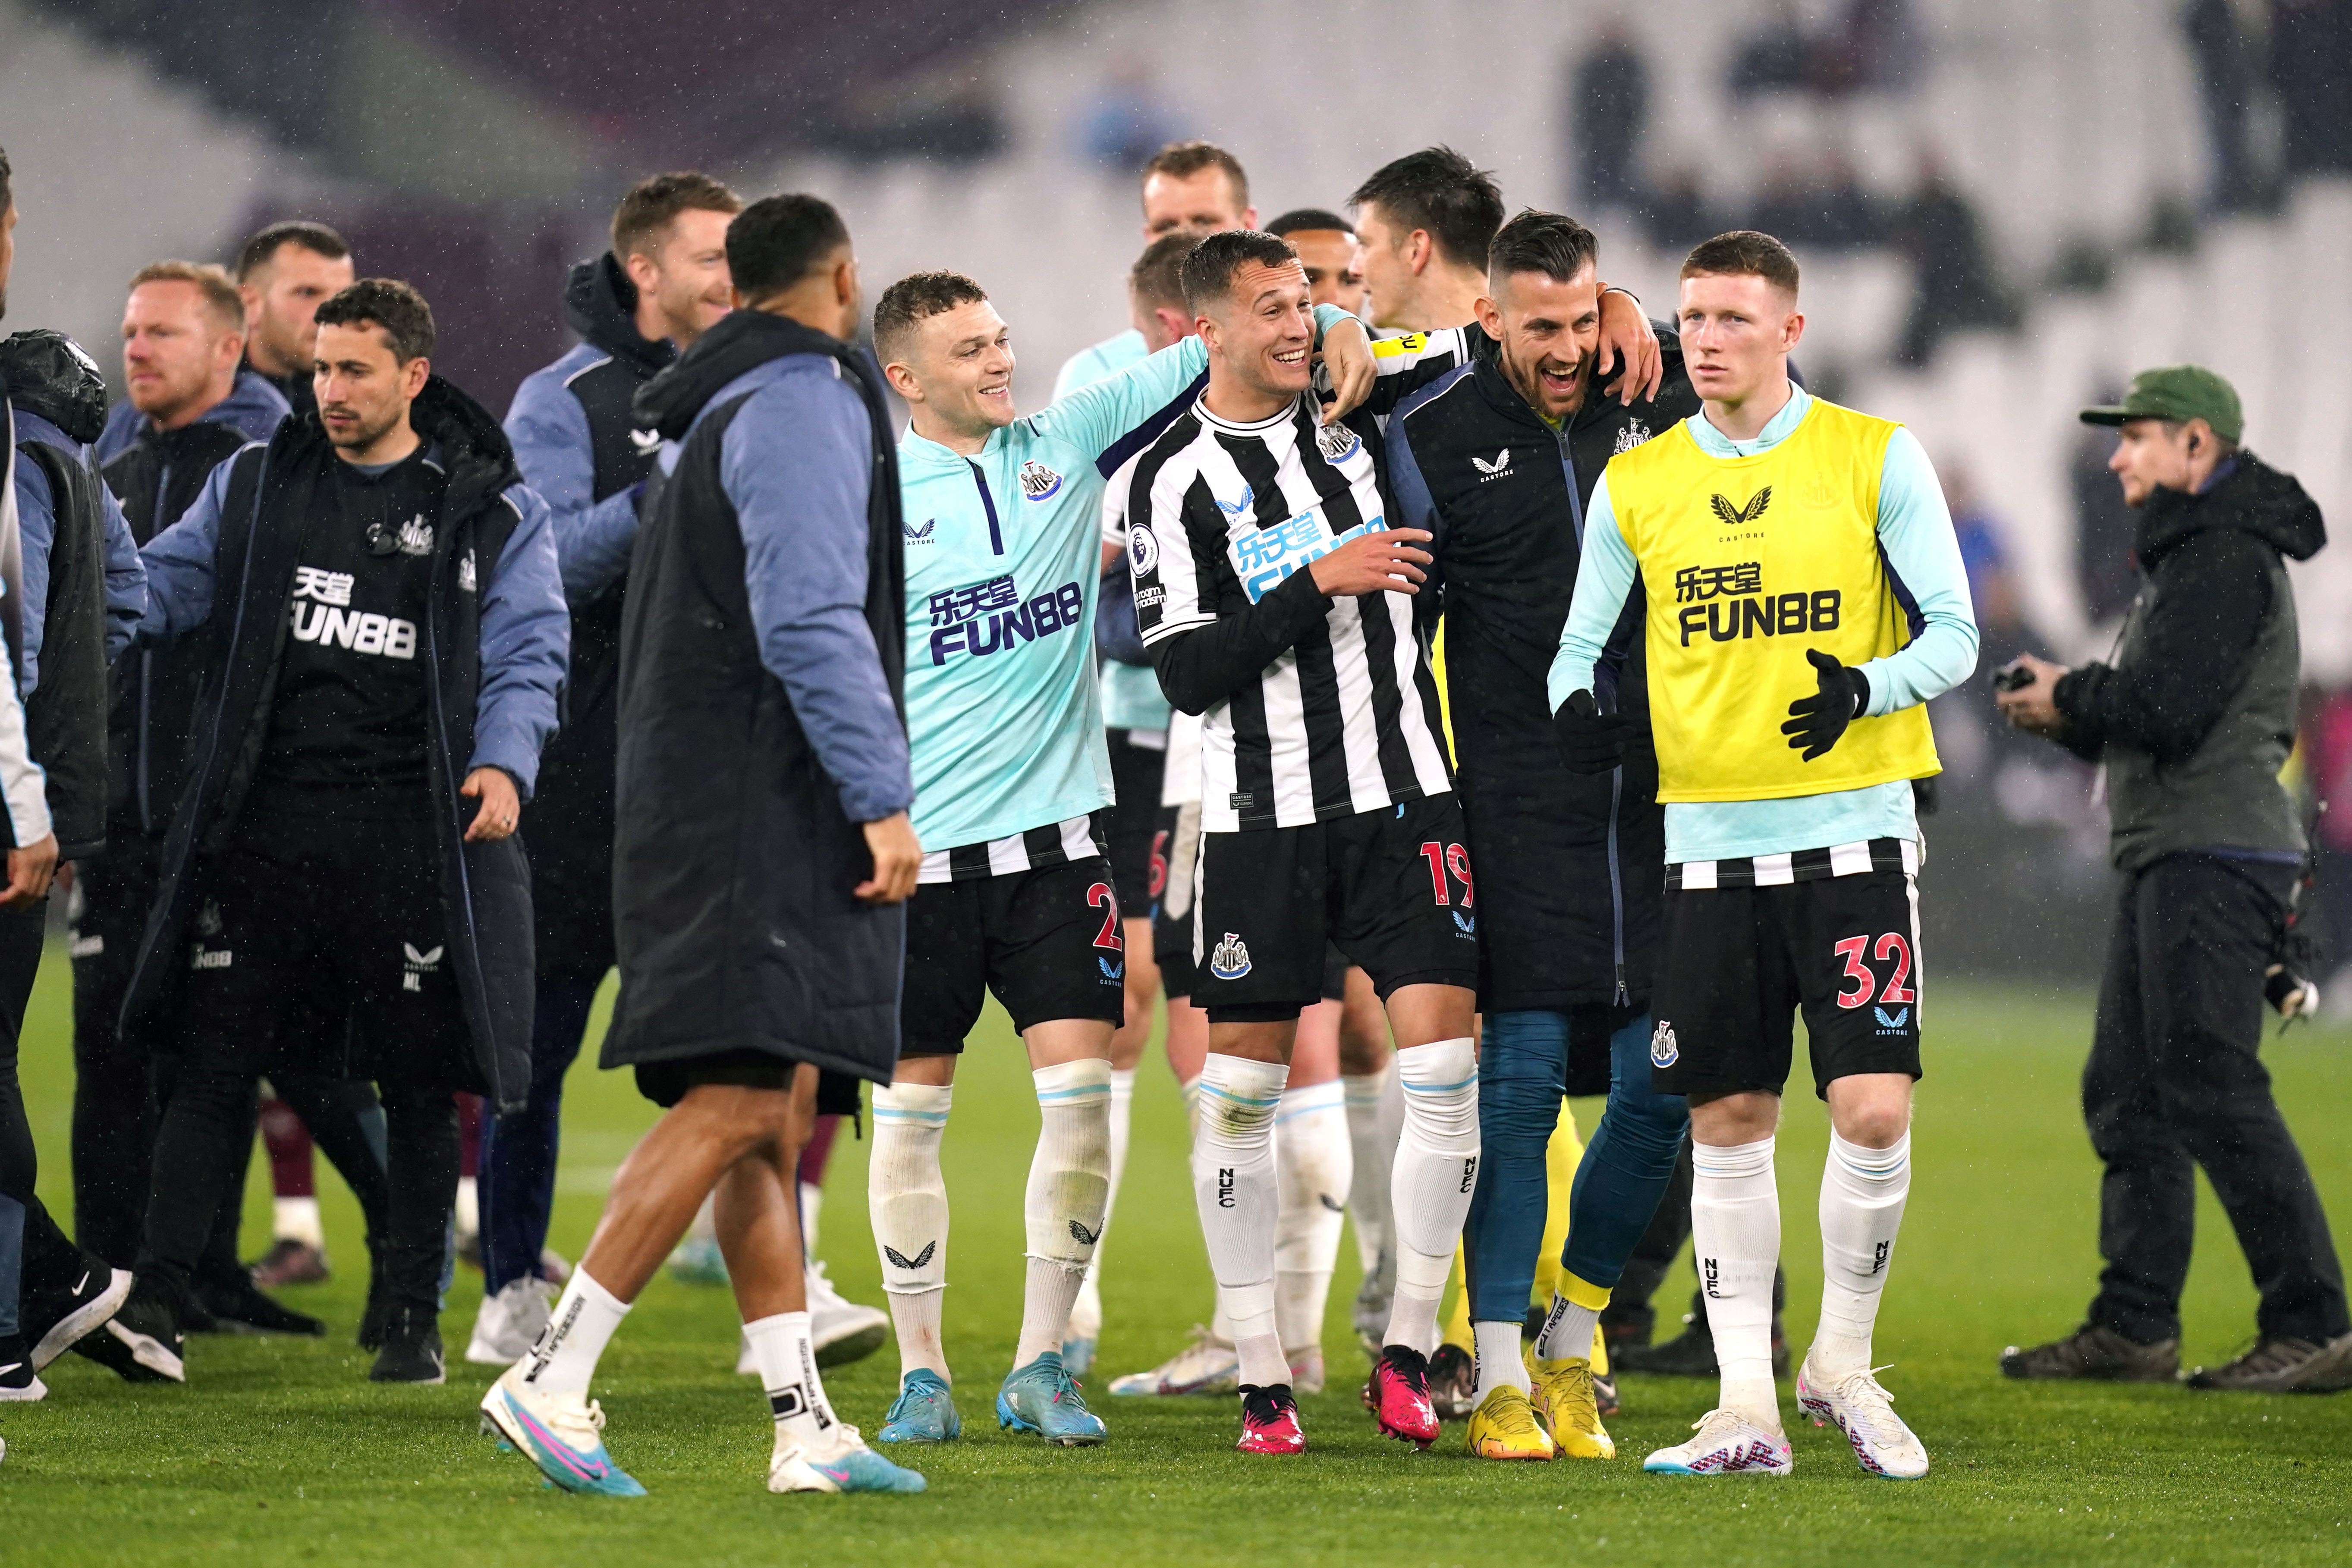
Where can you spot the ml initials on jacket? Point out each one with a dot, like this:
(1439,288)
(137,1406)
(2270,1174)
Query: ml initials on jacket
(1769,555)
(320,613)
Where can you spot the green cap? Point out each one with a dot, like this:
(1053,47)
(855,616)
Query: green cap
(2178,391)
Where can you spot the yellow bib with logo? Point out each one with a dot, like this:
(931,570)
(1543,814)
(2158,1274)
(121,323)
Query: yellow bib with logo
(1746,564)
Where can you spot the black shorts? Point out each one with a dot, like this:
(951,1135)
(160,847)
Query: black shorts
(665,1083)
(1134,774)
(1046,942)
(1389,889)
(1741,962)
(318,944)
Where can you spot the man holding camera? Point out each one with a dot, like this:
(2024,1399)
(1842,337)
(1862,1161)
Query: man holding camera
(2193,720)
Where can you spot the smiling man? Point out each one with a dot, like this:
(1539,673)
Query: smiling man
(1276,597)
(1016,894)
(1792,573)
(1498,461)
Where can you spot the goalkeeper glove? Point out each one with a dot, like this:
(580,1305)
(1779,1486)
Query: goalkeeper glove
(1816,722)
(1591,742)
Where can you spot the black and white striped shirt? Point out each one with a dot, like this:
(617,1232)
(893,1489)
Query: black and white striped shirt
(1219,514)
(1790,865)
(1057,844)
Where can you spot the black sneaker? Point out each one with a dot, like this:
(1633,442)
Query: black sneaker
(2284,1366)
(54,1320)
(236,1307)
(19,1383)
(143,1343)
(412,1348)
(2097,1353)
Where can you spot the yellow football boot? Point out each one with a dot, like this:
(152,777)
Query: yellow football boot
(1504,1426)
(1563,1402)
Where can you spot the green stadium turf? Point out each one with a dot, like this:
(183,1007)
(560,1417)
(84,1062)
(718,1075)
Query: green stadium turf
(280,1450)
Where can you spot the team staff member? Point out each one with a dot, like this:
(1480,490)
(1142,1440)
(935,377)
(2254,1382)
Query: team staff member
(2193,719)
(660,286)
(1497,461)
(374,594)
(182,336)
(761,850)
(1802,599)
(286,272)
(74,559)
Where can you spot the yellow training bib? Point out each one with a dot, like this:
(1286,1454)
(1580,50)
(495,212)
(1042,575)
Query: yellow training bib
(1746,564)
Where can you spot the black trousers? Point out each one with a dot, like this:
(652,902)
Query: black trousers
(2175,1083)
(116,1092)
(319,949)
(46,1253)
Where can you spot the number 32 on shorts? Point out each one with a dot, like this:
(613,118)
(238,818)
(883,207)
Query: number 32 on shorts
(1893,947)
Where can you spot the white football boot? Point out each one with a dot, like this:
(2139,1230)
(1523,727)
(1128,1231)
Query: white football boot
(1207,1365)
(1864,1412)
(510,1322)
(1728,1444)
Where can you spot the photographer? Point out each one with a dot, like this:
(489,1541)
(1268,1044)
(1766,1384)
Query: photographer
(2193,720)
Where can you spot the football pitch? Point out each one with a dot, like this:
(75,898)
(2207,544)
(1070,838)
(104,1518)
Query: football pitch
(280,1451)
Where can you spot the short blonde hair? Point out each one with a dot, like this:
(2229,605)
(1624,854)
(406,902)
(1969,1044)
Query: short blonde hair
(219,294)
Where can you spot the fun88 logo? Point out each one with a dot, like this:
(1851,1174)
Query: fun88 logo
(982,618)
(1263,557)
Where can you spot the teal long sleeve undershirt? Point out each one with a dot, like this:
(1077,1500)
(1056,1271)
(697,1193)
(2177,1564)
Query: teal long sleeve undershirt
(1914,530)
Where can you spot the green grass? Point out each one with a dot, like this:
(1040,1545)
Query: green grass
(280,1451)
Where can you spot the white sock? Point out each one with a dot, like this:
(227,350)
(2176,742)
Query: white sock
(297,1219)
(1569,1326)
(1498,1360)
(1236,1189)
(787,1365)
(1736,1234)
(1068,1197)
(1086,1317)
(1368,1197)
(468,1211)
(578,1330)
(908,1199)
(1863,1192)
(1221,1328)
(1429,1191)
(1313,1166)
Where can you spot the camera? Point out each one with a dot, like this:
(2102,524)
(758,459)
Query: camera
(2014,676)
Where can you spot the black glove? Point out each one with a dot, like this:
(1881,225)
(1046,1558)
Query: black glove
(1591,742)
(1815,722)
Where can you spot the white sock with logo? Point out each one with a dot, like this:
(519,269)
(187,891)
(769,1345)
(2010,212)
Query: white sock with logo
(1499,1365)
(1313,1166)
(1736,1235)
(1237,1190)
(787,1363)
(1429,1191)
(564,1359)
(1371,1148)
(1863,1193)
(908,1199)
(1068,1195)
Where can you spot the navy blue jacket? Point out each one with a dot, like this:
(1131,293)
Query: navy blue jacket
(763,654)
(497,640)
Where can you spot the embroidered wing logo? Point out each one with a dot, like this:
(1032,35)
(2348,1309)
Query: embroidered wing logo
(1502,460)
(920,535)
(1082,1236)
(1741,516)
(1902,1016)
(1235,508)
(900,1260)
